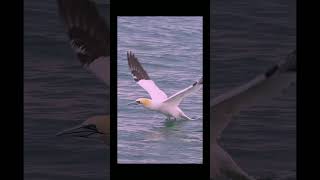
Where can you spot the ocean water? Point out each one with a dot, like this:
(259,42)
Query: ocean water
(58,94)
(247,37)
(170,50)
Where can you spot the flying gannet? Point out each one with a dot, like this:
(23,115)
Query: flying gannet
(159,101)
(90,39)
(222,108)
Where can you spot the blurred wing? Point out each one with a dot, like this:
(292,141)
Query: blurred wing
(143,79)
(179,96)
(261,89)
(89,35)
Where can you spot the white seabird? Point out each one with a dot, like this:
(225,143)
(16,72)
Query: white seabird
(222,108)
(159,101)
(89,36)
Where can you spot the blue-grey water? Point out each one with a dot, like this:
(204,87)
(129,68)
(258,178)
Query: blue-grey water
(58,94)
(247,37)
(170,50)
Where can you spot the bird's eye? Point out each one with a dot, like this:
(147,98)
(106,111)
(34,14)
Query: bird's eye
(138,102)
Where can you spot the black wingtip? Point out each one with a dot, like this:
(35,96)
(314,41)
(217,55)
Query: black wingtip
(200,81)
(130,55)
(271,71)
(287,65)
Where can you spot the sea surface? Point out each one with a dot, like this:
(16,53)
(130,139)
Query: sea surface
(58,94)
(170,50)
(247,37)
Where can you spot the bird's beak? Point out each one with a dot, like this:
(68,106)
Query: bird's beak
(80,131)
(134,103)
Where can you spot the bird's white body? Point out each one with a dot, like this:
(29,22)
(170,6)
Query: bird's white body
(168,110)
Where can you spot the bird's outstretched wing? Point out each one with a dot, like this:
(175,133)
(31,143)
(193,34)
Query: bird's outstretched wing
(257,91)
(143,79)
(89,35)
(179,96)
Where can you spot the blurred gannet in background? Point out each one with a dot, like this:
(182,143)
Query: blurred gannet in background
(159,101)
(90,38)
(222,108)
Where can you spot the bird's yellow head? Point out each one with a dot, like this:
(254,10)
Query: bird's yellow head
(144,101)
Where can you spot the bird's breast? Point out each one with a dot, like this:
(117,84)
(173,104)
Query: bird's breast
(168,110)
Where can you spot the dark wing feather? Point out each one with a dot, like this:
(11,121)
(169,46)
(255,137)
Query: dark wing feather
(88,32)
(136,69)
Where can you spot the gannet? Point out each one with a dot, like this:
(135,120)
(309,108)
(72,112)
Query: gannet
(222,108)
(90,39)
(159,101)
